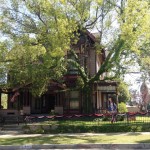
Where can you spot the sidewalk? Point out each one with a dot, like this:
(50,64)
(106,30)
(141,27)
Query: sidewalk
(11,134)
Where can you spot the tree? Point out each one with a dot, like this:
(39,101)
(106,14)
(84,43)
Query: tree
(38,35)
(3,52)
(48,28)
(122,108)
(144,60)
(133,24)
(124,94)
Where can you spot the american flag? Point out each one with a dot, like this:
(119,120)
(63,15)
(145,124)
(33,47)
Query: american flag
(14,96)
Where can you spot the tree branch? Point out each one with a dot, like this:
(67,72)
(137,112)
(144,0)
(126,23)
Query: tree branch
(78,66)
(108,63)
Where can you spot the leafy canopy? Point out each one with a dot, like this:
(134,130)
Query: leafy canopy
(39,32)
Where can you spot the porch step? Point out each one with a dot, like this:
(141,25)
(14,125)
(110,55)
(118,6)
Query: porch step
(13,119)
(4,132)
(11,128)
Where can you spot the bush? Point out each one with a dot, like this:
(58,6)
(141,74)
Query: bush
(112,128)
(122,108)
(120,117)
(106,118)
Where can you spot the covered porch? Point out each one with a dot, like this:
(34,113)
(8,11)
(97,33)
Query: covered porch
(104,90)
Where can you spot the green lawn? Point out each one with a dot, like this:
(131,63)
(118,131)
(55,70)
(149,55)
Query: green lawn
(96,121)
(143,119)
(109,138)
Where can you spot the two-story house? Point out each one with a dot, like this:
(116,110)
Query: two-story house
(64,98)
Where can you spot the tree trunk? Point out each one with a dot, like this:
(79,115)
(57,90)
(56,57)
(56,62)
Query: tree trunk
(87,99)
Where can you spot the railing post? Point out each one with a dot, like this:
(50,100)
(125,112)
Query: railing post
(127,114)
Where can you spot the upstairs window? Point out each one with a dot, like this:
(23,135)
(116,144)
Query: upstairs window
(74,99)
(71,68)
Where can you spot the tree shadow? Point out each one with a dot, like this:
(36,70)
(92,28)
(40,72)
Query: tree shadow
(144,141)
(134,133)
(51,140)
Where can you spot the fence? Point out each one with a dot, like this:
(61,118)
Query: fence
(93,119)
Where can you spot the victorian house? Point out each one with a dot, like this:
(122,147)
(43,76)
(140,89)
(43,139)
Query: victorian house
(65,98)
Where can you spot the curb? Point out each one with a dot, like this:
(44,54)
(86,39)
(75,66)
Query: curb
(77,146)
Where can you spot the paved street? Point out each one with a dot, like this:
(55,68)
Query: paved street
(79,146)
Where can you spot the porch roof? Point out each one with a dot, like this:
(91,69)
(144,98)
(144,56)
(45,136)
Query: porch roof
(106,83)
(6,90)
(107,86)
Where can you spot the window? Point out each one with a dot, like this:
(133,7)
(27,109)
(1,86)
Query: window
(74,104)
(37,103)
(4,98)
(74,100)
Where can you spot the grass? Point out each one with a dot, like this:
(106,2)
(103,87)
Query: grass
(88,125)
(94,121)
(76,139)
(143,119)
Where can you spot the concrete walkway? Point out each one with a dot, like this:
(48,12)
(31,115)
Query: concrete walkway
(16,134)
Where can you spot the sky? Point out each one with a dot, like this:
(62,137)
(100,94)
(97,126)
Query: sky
(133,80)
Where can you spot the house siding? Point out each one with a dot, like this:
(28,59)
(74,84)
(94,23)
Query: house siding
(92,62)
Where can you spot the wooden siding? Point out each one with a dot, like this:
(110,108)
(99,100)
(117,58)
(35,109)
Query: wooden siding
(92,62)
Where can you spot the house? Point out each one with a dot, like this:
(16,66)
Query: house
(65,98)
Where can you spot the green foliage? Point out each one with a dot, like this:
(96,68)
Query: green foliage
(79,82)
(106,118)
(135,23)
(120,117)
(144,59)
(39,33)
(124,94)
(122,107)
(113,128)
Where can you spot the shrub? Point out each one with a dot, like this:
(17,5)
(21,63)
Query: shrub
(93,129)
(122,107)
(120,117)
(106,118)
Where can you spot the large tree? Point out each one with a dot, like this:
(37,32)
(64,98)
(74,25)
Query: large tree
(123,28)
(144,60)
(39,32)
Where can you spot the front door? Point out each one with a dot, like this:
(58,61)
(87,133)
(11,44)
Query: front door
(47,103)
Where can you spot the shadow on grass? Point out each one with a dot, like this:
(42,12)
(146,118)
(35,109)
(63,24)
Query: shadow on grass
(144,141)
(134,133)
(107,139)
(52,140)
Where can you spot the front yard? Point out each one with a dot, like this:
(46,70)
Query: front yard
(89,125)
(78,139)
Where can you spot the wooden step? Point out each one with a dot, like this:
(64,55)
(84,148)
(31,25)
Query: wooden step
(11,127)
(13,119)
